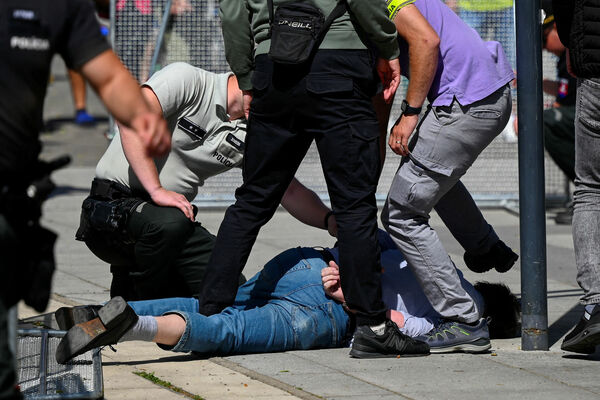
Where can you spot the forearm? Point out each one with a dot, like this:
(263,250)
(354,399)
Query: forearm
(238,40)
(423,51)
(304,205)
(142,165)
(423,65)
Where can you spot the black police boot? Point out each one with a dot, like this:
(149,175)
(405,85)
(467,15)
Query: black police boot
(113,321)
(66,317)
(392,343)
(500,257)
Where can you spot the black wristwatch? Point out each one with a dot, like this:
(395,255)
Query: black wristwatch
(408,110)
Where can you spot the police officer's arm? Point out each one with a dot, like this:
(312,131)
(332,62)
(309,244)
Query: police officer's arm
(307,207)
(373,18)
(144,167)
(423,49)
(121,94)
(238,40)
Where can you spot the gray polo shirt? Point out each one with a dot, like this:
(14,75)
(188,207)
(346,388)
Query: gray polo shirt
(205,143)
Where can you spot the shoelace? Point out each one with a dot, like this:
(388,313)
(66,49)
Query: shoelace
(440,328)
(400,340)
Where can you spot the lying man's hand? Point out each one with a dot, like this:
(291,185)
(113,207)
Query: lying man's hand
(330,276)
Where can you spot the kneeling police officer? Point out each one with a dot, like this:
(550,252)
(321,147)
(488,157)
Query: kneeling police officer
(139,218)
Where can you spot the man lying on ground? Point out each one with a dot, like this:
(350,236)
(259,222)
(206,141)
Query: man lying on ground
(294,303)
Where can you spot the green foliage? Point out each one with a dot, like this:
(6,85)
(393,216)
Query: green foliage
(167,385)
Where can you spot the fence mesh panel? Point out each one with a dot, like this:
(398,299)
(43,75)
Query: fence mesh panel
(41,377)
(192,34)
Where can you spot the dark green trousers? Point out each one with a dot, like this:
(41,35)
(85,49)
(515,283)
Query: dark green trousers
(162,254)
(559,137)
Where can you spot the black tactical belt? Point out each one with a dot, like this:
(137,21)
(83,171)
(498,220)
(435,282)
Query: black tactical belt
(109,190)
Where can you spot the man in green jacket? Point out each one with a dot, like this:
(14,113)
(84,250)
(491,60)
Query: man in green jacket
(328,99)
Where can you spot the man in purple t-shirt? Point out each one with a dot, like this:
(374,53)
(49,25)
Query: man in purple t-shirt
(466,82)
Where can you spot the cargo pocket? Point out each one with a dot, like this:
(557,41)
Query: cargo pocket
(362,150)
(589,107)
(261,81)
(415,189)
(329,85)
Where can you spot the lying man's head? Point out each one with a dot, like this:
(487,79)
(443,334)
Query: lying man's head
(503,309)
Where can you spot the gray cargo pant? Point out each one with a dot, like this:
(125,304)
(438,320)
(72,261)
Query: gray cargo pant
(447,142)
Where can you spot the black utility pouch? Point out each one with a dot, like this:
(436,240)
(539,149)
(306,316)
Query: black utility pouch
(294,32)
(105,216)
(297,29)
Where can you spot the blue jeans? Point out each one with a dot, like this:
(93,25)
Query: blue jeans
(281,308)
(502,25)
(586,198)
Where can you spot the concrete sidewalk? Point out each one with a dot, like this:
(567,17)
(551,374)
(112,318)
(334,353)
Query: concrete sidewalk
(507,372)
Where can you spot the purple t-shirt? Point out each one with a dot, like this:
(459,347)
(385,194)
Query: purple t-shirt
(468,68)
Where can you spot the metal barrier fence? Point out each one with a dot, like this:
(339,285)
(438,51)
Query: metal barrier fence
(190,32)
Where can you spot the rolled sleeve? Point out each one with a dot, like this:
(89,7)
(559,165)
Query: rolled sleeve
(84,41)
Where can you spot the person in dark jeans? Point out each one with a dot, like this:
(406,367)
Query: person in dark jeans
(559,121)
(578,29)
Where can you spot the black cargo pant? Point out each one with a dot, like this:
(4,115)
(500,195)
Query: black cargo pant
(329,102)
(161,254)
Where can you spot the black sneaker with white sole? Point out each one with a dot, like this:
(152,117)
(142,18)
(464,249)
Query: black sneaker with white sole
(392,343)
(454,336)
(114,319)
(586,335)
